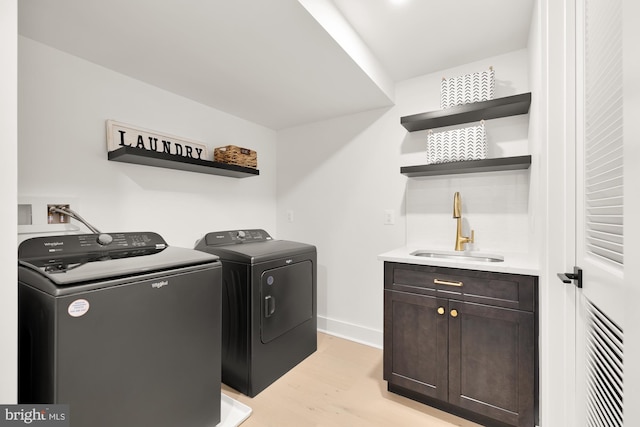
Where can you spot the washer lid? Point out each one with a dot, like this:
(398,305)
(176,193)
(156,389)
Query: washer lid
(73,259)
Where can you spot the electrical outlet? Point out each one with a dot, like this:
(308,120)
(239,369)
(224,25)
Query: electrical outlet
(290,216)
(25,214)
(54,217)
(389,217)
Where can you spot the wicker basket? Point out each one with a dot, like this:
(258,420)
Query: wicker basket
(469,143)
(234,155)
(467,88)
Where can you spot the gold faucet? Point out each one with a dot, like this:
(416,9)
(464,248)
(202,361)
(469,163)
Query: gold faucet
(457,214)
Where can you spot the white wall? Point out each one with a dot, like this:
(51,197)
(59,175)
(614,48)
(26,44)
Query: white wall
(495,204)
(63,104)
(339,176)
(8,177)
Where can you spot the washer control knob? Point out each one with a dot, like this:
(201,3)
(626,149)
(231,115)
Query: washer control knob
(241,234)
(104,239)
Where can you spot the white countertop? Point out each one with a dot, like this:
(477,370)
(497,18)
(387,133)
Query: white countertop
(514,263)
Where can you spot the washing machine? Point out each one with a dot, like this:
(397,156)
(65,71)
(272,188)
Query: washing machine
(122,328)
(269,308)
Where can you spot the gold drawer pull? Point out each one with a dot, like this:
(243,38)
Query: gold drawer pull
(454,313)
(446,282)
(440,310)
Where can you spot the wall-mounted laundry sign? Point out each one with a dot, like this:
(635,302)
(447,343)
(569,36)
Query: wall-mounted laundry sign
(122,135)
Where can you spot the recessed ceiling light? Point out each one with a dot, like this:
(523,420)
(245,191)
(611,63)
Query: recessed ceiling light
(398,2)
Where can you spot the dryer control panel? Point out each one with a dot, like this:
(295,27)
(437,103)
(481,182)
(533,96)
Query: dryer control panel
(231,237)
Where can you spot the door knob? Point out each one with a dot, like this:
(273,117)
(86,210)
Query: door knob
(575,277)
(454,313)
(440,310)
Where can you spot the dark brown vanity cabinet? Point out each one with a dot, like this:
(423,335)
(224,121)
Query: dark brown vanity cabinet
(463,341)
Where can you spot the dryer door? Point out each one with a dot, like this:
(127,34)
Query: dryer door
(287,299)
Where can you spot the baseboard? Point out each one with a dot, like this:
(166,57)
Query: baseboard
(350,331)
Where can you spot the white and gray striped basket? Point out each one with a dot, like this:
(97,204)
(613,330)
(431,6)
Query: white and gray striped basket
(468,88)
(469,143)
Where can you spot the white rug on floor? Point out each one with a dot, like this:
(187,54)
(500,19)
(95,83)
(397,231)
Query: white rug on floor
(232,412)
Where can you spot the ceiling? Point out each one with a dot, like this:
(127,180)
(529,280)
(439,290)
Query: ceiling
(279,63)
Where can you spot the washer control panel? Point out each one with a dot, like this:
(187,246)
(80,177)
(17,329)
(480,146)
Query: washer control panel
(230,237)
(74,244)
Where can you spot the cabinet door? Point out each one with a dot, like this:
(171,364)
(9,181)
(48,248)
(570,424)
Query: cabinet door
(415,343)
(491,362)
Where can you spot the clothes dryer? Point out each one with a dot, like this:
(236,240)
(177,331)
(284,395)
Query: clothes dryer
(122,328)
(269,307)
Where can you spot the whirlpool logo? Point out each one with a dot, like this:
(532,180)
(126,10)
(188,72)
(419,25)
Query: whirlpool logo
(41,416)
(53,244)
(160,284)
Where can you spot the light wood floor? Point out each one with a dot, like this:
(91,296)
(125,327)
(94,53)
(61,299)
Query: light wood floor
(339,385)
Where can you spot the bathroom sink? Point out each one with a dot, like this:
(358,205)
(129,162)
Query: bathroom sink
(462,256)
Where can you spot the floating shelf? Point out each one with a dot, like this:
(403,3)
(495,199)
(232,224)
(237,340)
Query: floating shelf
(140,156)
(484,110)
(470,166)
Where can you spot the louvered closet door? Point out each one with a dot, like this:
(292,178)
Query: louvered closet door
(599,212)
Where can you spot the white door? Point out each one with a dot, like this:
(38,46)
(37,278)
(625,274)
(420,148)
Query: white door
(600,195)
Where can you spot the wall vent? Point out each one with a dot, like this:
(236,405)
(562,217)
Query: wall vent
(604,341)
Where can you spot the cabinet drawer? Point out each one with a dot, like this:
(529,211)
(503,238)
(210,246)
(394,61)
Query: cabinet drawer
(497,289)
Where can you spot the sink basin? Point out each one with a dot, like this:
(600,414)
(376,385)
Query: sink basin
(461,256)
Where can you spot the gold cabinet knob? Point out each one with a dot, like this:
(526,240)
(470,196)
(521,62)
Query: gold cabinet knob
(454,313)
(440,310)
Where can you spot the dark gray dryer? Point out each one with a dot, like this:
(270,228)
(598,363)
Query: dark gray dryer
(269,319)
(122,328)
